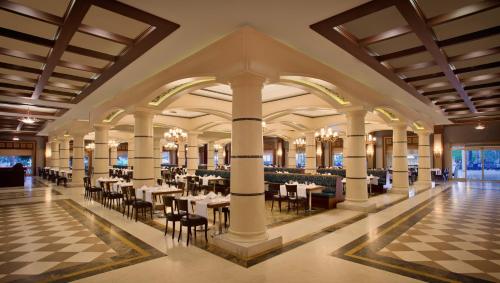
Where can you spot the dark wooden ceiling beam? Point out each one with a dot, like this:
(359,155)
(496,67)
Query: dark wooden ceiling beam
(49,43)
(97,32)
(35,104)
(73,19)
(456,71)
(22,55)
(38,72)
(19,111)
(413,16)
(487,85)
(434,21)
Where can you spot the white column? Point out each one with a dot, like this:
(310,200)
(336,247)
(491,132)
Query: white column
(157,150)
(355,157)
(327,155)
(193,154)
(101,152)
(424,159)
(48,154)
(130,152)
(55,153)
(248,220)
(181,152)
(210,156)
(219,155)
(64,153)
(292,152)
(310,153)
(113,155)
(399,159)
(78,169)
(143,140)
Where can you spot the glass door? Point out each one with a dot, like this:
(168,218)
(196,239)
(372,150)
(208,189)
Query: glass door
(491,163)
(474,169)
(458,163)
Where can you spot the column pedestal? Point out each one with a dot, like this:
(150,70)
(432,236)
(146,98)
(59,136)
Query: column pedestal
(55,153)
(424,181)
(64,153)
(310,153)
(130,153)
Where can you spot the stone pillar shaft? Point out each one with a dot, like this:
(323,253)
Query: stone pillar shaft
(48,154)
(181,151)
(130,153)
(310,153)
(193,155)
(399,159)
(143,140)
(210,156)
(292,152)
(101,152)
(113,155)
(424,158)
(355,157)
(55,153)
(78,169)
(64,153)
(157,150)
(248,222)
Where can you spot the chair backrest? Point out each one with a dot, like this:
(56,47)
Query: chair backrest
(181,185)
(168,201)
(86,182)
(182,205)
(291,190)
(125,191)
(274,188)
(159,182)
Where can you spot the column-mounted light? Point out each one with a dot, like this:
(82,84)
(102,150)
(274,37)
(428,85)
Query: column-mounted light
(438,150)
(279,152)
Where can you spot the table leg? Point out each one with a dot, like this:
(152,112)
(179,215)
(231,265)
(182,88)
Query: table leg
(220,219)
(310,200)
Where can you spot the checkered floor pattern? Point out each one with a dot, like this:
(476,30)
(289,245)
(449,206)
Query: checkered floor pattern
(27,194)
(461,235)
(43,237)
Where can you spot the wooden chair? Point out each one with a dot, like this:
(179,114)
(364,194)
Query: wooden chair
(127,201)
(90,190)
(190,220)
(275,191)
(172,216)
(293,197)
(139,205)
(112,196)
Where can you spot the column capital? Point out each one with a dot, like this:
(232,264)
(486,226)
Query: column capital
(399,125)
(356,111)
(424,132)
(101,127)
(143,113)
(246,78)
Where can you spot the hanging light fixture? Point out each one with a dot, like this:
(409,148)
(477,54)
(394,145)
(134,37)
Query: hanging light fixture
(480,126)
(15,138)
(90,146)
(326,135)
(300,143)
(113,143)
(370,139)
(175,135)
(217,147)
(28,119)
(170,146)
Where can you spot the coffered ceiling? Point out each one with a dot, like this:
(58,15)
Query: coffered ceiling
(442,52)
(60,51)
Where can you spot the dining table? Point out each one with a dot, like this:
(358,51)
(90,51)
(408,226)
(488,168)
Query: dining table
(209,201)
(151,194)
(304,190)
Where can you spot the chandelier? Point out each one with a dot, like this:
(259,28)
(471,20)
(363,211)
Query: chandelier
(28,119)
(175,135)
(300,143)
(326,135)
(170,146)
(113,143)
(217,147)
(90,146)
(370,139)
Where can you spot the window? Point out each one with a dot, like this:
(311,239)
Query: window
(268,158)
(338,160)
(122,159)
(475,163)
(301,160)
(9,161)
(165,157)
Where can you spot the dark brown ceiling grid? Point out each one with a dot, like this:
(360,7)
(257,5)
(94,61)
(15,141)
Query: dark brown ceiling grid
(459,73)
(72,68)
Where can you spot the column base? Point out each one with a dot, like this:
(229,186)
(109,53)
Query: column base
(395,190)
(363,206)
(74,185)
(247,250)
(423,186)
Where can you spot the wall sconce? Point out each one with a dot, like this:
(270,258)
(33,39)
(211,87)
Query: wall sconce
(279,152)
(319,151)
(48,152)
(438,150)
(369,150)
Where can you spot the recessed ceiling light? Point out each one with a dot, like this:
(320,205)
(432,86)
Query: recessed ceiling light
(15,138)
(480,126)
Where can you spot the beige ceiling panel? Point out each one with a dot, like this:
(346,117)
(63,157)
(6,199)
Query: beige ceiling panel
(410,60)
(96,43)
(375,23)
(80,59)
(468,24)
(55,7)
(74,72)
(396,44)
(477,61)
(20,62)
(59,80)
(423,71)
(113,22)
(62,89)
(23,46)
(16,82)
(466,47)
(27,25)
(18,73)
(480,72)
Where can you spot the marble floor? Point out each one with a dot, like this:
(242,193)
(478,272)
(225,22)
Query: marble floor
(446,234)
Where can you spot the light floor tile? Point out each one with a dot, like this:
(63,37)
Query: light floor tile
(420,246)
(463,255)
(30,247)
(411,256)
(467,246)
(35,268)
(84,257)
(427,238)
(458,266)
(32,256)
(76,248)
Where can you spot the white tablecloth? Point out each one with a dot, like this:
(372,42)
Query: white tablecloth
(301,189)
(205,179)
(139,193)
(107,179)
(202,201)
(116,187)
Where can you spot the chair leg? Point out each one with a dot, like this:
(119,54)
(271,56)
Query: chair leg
(206,229)
(279,203)
(180,233)
(214,218)
(136,212)
(173,229)
(272,204)
(151,213)
(166,226)
(189,234)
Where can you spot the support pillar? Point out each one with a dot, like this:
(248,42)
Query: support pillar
(181,154)
(193,155)
(78,169)
(64,153)
(292,152)
(424,161)
(101,153)
(310,153)
(113,155)
(157,150)
(48,154)
(130,153)
(210,156)
(144,172)
(55,153)
(399,159)
(219,156)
